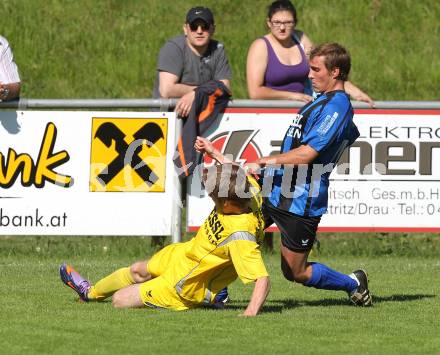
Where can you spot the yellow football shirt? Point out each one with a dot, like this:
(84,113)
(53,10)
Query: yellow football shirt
(226,246)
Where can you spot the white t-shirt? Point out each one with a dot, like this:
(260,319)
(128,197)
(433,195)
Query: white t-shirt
(8,68)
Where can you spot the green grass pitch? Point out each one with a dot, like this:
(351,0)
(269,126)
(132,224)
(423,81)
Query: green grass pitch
(108,49)
(39,315)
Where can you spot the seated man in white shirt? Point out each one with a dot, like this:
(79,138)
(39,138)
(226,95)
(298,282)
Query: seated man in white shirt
(9,78)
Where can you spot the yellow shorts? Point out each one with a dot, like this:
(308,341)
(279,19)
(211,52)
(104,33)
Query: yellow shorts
(157,265)
(157,293)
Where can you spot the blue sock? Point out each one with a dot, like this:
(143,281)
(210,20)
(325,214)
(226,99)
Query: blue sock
(328,279)
(221,295)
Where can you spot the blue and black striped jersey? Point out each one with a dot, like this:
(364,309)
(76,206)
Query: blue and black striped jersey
(326,125)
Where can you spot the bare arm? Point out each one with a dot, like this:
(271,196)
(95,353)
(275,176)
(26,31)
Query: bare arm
(304,154)
(357,93)
(9,91)
(170,87)
(203,145)
(259,295)
(305,41)
(255,71)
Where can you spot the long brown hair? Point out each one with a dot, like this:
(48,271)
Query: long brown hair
(282,5)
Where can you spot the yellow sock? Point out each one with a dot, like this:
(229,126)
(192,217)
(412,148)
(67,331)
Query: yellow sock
(110,284)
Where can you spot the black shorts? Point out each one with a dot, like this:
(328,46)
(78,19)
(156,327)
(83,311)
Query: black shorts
(298,233)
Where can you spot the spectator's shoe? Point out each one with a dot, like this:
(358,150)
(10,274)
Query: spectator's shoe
(75,281)
(361,296)
(221,299)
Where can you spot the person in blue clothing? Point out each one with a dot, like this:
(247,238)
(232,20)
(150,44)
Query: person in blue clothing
(298,177)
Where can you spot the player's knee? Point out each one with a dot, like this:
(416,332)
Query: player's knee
(294,275)
(118,301)
(139,272)
(287,273)
(300,276)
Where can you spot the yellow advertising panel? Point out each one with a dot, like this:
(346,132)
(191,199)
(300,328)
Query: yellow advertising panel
(128,154)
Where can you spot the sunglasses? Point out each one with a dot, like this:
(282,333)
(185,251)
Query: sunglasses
(195,26)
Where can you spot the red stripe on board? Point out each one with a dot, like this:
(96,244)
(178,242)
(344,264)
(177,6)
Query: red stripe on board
(356,229)
(360,111)
(395,112)
(261,110)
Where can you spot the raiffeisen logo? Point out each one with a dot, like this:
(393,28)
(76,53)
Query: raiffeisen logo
(128,154)
(238,145)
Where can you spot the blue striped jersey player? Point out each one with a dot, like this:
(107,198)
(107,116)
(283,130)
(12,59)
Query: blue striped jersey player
(298,178)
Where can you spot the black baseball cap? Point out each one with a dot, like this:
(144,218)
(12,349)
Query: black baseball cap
(200,13)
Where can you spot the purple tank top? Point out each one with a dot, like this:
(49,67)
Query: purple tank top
(284,77)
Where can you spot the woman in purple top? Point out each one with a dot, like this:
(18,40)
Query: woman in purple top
(277,64)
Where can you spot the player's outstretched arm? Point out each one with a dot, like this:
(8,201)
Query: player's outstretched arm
(304,154)
(204,145)
(261,290)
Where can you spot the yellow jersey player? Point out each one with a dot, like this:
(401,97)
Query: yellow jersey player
(188,275)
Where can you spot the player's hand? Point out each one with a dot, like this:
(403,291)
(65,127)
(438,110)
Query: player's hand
(183,106)
(204,145)
(247,313)
(252,168)
(298,96)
